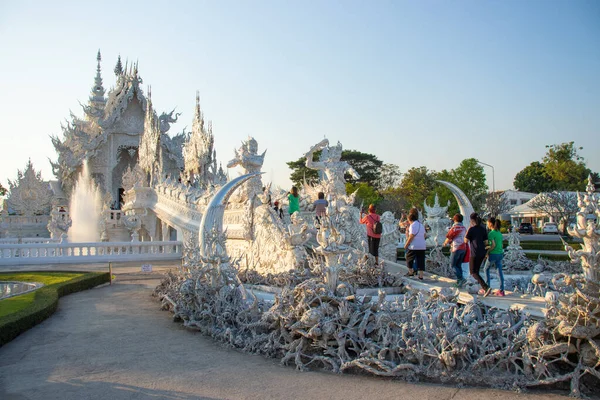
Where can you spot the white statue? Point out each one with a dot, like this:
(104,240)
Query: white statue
(388,246)
(248,158)
(332,168)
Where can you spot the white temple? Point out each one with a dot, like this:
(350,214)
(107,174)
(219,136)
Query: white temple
(125,142)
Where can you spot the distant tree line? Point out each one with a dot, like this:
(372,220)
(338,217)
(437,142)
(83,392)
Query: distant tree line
(383,184)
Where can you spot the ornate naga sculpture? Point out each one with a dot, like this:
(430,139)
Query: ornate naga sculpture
(165,120)
(248,158)
(331,167)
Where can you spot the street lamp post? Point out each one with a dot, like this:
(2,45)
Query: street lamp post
(493,175)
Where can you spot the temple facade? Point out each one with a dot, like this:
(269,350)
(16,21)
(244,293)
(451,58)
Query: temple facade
(121,130)
(125,143)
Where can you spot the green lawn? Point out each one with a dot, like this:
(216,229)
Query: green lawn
(17,303)
(19,313)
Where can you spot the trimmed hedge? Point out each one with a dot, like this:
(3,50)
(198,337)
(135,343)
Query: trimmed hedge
(400,255)
(541,245)
(45,304)
(551,257)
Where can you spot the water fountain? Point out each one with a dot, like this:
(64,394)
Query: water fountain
(85,208)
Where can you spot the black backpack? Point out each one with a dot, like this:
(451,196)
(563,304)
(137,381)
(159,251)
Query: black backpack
(377,228)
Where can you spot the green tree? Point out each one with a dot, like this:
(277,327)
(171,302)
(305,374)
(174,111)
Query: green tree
(470,178)
(444,193)
(300,172)
(393,200)
(562,168)
(368,166)
(565,167)
(416,185)
(365,194)
(533,178)
(2,190)
(389,177)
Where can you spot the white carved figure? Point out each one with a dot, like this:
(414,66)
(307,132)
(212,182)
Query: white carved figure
(59,223)
(388,245)
(587,228)
(29,195)
(248,158)
(166,119)
(438,221)
(298,230)
(514,256)
(331,167)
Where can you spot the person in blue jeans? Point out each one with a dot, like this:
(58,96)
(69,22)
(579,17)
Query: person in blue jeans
(496,254)
(458,249)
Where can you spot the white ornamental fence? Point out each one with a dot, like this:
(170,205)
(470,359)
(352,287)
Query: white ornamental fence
(96,252)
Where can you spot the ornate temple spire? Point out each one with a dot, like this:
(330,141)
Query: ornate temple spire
(98,89)
(119,67)
(97,102)
(198,116)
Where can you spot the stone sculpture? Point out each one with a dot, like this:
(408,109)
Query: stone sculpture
(332,169)
(248,158)
(29,195)
(388,245)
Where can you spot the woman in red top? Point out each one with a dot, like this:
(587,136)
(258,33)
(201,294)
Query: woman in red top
(370,219)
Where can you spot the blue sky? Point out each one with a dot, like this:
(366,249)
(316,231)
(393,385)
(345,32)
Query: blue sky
(413,82)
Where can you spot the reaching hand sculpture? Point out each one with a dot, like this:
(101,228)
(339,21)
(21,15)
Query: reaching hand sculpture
(332,167)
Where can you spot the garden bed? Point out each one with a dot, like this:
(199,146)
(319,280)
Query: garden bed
(20,313)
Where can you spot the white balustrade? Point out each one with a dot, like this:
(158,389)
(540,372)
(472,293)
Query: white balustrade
(70,253)
(28,240)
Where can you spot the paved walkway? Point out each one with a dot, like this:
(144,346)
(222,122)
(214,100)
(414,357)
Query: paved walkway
(535,306)
(113,342)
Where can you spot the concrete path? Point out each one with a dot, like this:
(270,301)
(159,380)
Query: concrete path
(113,342)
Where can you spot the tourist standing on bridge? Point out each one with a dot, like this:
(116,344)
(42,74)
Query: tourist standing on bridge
(476,237)
(370,219)
(496,254)
(415,245)
(320,206)
(458,249)
(293,200)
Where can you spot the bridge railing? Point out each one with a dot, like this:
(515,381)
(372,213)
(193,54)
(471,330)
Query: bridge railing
(28,240)
(74,253)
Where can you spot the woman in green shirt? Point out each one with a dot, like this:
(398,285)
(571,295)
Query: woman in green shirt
(294,200)
(496,254)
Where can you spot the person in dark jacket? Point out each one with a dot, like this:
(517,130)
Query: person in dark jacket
(476,237)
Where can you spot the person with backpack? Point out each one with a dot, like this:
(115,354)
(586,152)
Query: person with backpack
(374,229)
(458,249)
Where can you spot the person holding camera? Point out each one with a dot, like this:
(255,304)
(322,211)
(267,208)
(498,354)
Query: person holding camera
(371,220)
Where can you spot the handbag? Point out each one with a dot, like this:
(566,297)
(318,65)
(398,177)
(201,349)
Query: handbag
(467,254)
